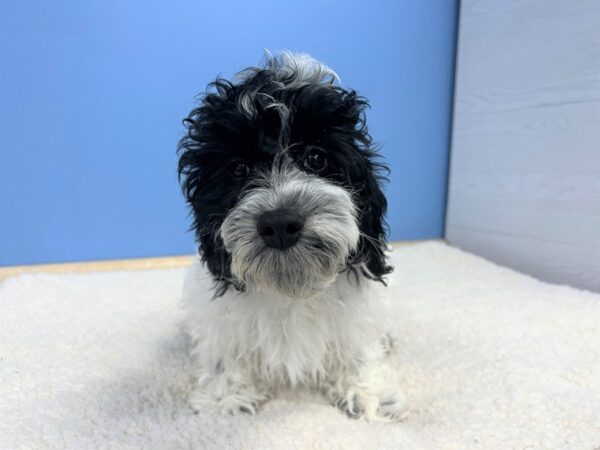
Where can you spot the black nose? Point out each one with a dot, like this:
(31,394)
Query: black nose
(280,228)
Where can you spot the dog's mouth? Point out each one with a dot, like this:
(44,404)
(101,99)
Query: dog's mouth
(301,271)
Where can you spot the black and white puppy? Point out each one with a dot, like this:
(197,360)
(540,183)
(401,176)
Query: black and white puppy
(284,184)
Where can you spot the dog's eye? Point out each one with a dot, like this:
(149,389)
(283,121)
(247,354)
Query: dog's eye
(316,160)
(239,169)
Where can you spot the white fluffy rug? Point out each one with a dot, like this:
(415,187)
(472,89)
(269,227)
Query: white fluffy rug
(488,358)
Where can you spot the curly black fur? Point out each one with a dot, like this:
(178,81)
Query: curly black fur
(245,121)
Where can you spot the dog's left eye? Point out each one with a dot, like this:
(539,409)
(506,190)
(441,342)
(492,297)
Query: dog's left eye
(315,160)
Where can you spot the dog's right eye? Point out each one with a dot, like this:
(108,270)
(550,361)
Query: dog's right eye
(239,169)
(316,160)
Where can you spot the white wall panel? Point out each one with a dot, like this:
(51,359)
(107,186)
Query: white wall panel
(525,167)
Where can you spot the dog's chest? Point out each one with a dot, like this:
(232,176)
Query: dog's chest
(296,340)
(283,340)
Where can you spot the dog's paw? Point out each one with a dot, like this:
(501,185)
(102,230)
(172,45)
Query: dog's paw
(392,408)
(350,405)
(247,402)
(237,404)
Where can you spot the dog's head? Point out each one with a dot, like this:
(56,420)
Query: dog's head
(283,181)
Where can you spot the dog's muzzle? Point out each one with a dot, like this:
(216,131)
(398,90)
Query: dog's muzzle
(291,232)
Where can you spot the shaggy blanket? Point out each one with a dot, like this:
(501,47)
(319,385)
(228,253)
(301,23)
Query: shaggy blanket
(488,358)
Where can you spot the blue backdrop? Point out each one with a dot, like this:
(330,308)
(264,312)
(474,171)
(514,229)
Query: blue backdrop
(92,94)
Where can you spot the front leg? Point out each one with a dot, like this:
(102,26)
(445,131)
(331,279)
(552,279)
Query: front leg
(371,393)
(229,392)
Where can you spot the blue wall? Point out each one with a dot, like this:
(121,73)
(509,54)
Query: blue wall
(92,94)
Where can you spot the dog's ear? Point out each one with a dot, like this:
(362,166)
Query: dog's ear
(206,217)
(201,176)
(218,262)
(369,174)
(372,246)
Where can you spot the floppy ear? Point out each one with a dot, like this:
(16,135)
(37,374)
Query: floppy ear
(206,217)
(369,173)
(200,173)
(373,243)
(218,262)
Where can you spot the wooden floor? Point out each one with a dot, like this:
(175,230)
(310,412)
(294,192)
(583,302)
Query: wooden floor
(167,262)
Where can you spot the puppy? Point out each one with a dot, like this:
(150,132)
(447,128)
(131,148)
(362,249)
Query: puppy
(285,189)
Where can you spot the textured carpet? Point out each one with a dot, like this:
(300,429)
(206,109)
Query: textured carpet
(488,359)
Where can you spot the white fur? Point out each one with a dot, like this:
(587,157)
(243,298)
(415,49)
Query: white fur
(292,71)
(297,69)
(249,345)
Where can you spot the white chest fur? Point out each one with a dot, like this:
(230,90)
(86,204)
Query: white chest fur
(280,340)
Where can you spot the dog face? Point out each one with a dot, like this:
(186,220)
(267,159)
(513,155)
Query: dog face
(283,181)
